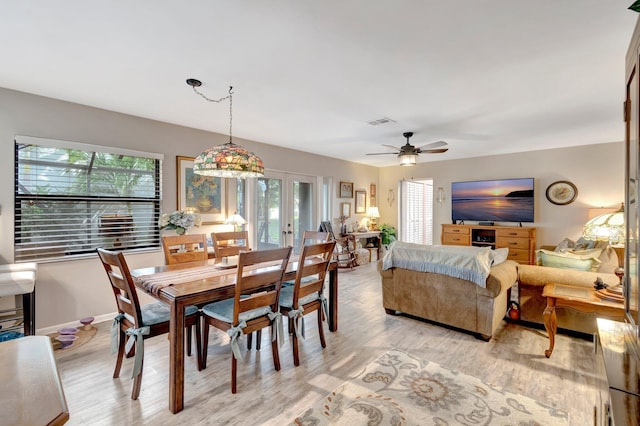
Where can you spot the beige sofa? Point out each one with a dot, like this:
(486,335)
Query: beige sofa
(447,300)
(531,281)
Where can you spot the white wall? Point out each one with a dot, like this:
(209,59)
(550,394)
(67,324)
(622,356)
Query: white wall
(596,170)
(69,290)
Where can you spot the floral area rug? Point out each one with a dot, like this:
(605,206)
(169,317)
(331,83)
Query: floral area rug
(401,389)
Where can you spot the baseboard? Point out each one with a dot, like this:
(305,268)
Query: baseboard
(54,329)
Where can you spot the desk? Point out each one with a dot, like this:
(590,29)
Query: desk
(199,292)
(370,234)
(582,299)
(31,391)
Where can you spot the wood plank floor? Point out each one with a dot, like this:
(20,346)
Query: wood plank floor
(513,359)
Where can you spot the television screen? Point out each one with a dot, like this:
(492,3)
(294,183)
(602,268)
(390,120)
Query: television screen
(506,200)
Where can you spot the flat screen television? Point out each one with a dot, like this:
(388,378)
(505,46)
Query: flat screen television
(504,200)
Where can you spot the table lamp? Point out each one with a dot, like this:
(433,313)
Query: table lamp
(236,220)
(606,227)
(373,214)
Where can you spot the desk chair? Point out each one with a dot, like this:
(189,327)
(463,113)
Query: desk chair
(305,296)
(254,306)
(194,246)
(134,322)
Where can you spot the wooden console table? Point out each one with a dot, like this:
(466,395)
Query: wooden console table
(583,299)
(370,234)
(31,391)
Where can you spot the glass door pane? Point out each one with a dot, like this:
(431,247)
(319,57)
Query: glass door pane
(302,209)
(269,212)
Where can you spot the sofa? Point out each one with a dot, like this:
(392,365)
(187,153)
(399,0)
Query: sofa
(448,300)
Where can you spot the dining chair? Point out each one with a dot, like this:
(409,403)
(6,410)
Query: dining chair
(184,248)
(230,243)
(305,296)
(136,322)
(254,305)
(314,237)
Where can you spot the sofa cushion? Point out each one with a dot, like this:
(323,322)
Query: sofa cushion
(584,260)
(540,276)
(608,261)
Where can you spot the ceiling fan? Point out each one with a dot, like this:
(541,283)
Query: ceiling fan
(409,153)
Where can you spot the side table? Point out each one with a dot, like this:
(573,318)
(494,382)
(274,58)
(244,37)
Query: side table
(583,299)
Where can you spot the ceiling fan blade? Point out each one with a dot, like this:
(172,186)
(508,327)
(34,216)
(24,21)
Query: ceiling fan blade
(433,145)
(435,151)
(392,147)
(383,153)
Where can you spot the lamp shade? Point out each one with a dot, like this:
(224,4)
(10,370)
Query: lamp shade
(606,227)
(407,159)
(228,160)
(373,212)
(236,219)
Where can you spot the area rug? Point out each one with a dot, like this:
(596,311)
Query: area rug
(401,389)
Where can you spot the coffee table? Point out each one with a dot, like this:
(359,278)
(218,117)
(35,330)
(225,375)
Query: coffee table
(583,299)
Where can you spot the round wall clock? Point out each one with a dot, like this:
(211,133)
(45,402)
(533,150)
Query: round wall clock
(562,192)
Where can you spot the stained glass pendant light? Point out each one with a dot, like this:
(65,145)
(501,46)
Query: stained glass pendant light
(227,160)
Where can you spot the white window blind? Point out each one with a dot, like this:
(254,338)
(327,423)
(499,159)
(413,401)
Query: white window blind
(71,198)
(417,212)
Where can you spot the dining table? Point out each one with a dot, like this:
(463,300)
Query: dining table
(198,283)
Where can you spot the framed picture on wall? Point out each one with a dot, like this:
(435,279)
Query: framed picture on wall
(361,202)
(204,195)
(345,209)
(346,189)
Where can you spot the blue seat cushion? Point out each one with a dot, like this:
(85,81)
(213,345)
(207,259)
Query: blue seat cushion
(156,313)
(286,298)
(223,311)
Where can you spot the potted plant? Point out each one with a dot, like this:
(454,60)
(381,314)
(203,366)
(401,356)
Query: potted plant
(387,234)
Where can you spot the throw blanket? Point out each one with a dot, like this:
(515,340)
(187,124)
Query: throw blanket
(467,263)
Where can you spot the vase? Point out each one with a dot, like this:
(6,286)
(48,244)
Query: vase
(204,203)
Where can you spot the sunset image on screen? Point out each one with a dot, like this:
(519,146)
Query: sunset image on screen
(507,200)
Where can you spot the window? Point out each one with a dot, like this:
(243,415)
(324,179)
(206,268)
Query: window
(417,211)
(71,198)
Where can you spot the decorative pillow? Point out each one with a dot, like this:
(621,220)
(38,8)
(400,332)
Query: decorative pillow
(499,255)
(586,261)
(565,245)
(584,244)
(608,261)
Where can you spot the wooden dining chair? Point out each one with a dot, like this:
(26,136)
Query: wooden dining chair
(184,248)
(230,243)
(305,296)
(136,322)
(254,306)
(314,237)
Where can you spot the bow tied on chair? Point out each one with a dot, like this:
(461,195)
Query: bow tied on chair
(115,328)
(294,315)
(279,329)
(235,333)
(136,337)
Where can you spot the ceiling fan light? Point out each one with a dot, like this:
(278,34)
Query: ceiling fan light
(407,159)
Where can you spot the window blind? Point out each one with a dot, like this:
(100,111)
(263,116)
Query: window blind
(71,198)
(417,212)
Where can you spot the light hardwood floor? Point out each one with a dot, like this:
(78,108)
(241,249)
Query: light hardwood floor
(513,359)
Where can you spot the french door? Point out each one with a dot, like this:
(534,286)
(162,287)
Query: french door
(286,207)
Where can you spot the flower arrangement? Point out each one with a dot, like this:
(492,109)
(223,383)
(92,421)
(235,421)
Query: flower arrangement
(181,221)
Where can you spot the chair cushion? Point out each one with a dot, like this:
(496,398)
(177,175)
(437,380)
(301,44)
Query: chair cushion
(286,298)
(223,311)
(156,313)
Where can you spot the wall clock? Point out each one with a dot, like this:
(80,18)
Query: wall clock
(562,192)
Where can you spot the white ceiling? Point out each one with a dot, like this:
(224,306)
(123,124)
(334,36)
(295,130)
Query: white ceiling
(487,76)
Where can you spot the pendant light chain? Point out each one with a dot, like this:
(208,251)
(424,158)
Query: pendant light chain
(230,97)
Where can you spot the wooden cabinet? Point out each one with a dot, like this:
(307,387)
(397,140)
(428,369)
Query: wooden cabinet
(520,241)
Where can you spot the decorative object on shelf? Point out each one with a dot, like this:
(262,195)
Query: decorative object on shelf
(237,221)
(361,202)
(408,154)
(562,192)
(204,195)
(373,214)
(86,322)
(180,221)
(346,189)
(440,195)
(606,227)
(227,160)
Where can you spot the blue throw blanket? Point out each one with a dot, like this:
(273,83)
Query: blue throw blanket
(467,263)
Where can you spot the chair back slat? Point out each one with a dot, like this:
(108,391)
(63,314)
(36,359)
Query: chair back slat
(314,237)
(267,281)
(314,261)
(124,289)
(194,244)
(230,243)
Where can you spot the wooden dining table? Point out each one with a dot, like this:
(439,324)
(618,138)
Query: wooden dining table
(199,288)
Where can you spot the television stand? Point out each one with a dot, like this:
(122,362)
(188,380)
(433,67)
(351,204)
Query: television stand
(520,241)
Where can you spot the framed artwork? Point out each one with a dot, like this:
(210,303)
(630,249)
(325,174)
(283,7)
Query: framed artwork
(346,189)
(372,190)
(372,201)
(345,209)
(361,202)
(204,195)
